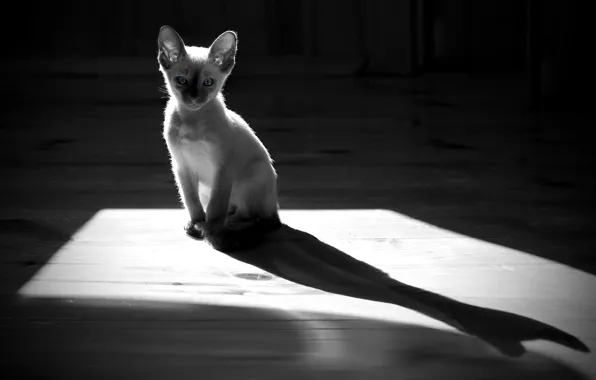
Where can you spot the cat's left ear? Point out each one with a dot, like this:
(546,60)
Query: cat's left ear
(222,52)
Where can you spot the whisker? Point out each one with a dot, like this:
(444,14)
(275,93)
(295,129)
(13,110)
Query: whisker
(164,90)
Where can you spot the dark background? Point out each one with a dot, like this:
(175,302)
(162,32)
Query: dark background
(471,115)
(545,40)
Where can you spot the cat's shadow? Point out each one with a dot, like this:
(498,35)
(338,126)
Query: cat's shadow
(302,258)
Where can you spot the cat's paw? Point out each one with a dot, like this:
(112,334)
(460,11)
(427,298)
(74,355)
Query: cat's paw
(195,230)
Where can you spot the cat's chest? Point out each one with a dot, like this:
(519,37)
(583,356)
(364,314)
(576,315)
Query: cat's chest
(195,151)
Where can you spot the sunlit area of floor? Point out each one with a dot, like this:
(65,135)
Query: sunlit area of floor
(138,263)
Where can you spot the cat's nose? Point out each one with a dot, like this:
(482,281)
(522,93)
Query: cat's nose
(194,100)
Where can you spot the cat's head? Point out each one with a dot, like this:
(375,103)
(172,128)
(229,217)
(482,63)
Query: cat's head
(195,75)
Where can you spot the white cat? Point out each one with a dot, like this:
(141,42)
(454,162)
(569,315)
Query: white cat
(224,173)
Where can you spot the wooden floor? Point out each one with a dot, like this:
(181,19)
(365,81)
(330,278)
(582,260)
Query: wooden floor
(447,184)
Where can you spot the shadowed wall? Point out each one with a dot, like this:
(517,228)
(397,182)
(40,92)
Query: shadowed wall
(544,41)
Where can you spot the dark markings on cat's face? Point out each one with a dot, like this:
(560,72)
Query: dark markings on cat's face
(195,75)
(192,90)
(194,84)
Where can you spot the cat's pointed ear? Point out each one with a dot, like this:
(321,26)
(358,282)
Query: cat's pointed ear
(171,47)
(222,52)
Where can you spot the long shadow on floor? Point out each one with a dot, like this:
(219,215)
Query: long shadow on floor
(301,258)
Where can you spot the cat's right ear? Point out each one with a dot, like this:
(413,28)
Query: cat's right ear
(171,47)
(222,52)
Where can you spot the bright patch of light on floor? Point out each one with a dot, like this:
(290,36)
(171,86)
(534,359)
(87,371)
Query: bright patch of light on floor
(143,254)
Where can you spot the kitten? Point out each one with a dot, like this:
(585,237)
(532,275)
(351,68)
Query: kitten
(224,173)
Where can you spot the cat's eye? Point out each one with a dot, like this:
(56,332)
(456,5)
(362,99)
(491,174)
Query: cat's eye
(208,82)
(181,80)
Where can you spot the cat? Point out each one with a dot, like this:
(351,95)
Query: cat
(224,173)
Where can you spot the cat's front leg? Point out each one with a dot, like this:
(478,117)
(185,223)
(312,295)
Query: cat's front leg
(188,185)
(217,210)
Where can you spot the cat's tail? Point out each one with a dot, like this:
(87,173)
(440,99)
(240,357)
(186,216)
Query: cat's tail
(236,239)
